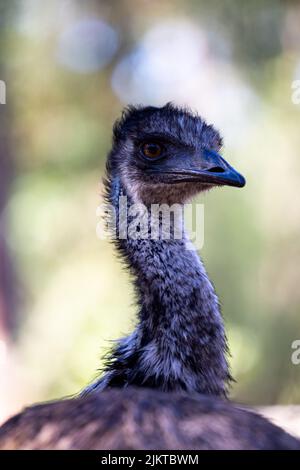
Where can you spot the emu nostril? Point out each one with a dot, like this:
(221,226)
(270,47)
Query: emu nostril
(216,169)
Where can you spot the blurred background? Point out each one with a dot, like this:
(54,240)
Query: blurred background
(69,67)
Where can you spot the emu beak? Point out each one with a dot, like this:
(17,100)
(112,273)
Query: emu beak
(208,168)
(214,169)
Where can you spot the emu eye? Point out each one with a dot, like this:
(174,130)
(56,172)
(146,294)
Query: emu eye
(152,150)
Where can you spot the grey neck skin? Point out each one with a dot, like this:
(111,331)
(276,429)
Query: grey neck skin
(179,342)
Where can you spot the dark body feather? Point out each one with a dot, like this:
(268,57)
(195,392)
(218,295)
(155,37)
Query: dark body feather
(137,418)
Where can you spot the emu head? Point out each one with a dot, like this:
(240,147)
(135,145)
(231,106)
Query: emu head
(167,155)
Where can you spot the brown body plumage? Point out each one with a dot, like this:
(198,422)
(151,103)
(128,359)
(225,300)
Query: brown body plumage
(137,418)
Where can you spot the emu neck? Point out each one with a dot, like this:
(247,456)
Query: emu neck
(179,341)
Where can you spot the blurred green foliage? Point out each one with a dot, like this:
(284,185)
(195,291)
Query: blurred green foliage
(75,296)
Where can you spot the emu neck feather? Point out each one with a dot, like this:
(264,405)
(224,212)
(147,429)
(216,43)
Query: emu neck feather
(179,341)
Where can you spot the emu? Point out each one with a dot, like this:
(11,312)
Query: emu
(165,385)
(166,156)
